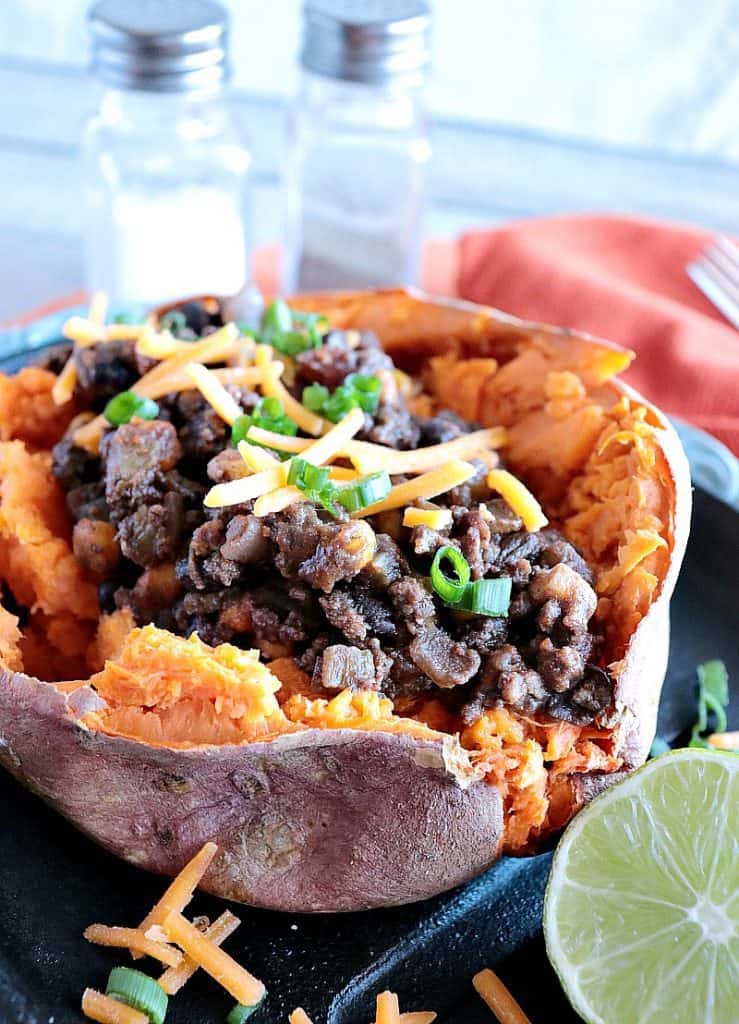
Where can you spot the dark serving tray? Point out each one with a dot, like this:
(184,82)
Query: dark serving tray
(54,882)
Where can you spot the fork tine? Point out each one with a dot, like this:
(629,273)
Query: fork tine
(702,277)
(729,248)
(723,270)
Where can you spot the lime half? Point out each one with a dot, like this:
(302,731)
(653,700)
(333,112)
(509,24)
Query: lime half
(641,914)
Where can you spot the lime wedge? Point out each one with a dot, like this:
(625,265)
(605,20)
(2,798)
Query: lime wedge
(641,914)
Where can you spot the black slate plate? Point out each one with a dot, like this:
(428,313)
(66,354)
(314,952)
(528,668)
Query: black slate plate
(53,882)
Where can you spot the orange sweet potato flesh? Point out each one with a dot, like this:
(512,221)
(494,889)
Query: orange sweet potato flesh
(311,800)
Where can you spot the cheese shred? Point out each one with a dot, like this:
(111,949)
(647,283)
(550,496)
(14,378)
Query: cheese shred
(497,997)
(519,497)
(214,392)
(428,485)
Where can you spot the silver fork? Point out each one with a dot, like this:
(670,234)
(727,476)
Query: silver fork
(716,274)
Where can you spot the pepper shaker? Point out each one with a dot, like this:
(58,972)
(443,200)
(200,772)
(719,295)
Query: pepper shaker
(358,146)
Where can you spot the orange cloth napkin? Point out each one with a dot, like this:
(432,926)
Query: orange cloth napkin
(622,279)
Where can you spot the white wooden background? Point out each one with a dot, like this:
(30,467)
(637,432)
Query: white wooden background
(573,105)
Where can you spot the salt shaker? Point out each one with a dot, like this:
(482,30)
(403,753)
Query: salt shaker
(358,146)
(166,170)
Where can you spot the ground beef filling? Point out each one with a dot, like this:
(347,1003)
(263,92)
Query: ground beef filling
(351,600)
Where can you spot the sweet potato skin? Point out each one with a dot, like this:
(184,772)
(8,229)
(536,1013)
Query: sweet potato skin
(322,820)
(340,819)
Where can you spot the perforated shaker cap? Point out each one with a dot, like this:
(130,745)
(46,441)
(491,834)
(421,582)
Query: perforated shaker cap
(371,41)
(159,45)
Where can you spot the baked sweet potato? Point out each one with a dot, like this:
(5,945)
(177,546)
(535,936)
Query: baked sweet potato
(350,802)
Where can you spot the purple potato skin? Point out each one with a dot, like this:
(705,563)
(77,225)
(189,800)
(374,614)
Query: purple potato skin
(323,820)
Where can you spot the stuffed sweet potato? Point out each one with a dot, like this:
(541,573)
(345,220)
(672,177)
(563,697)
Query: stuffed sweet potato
(367,599)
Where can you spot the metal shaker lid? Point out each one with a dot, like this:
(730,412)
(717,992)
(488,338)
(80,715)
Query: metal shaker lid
(159,45)
(373,41)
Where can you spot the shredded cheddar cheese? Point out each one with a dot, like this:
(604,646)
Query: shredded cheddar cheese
(174,978)
(234,492)
(237,981)
(428,485)
(106,1010)
(82,331)
(519,497)
(387,1010)
(494,993)
(180,890)
(214,392)
(434,518)
(133,939)
(255,458)
(299,1016)
(370,457)
(64,385)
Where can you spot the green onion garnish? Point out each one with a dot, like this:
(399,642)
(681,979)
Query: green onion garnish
(174,322)
(240,1013)
(245,329)
(358,391)
(269,415)
(307,477)
(713,695)
(127,318)
(123,407)
(277,317)
(366,390)
(450,591)
(280,328)
(363,492)
(483,597)
(488,597)
(315,396)
(138,990)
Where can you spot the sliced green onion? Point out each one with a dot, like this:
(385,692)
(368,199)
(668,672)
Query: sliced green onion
(277,317)
(315,396)
(269,415)
(713,695)
(363,492)
(340,403)
(240,1013)
(488,597)
(174,322)
(366,390)
(138,990)
(127,318)
(306,476)
(123,407)
(450,591)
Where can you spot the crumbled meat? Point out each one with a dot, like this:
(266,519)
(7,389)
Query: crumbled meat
(472,492)
(446,661)
(320,553)
(476,542)
(137,456)
(501,518)
(246,541)
(338,357)
(152,533)
(203,433)
(73,466)
(387,564)
(341,667)
(54,358)
(588,698)
(392,425)
(483,634)
(357,614)
(227,465)
(104,371)
(444,426)
(156,590)
(413,603)
(505,678)
(88,501)
(95,546)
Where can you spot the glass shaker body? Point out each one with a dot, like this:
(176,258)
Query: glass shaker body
(356,185)
(166,189)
